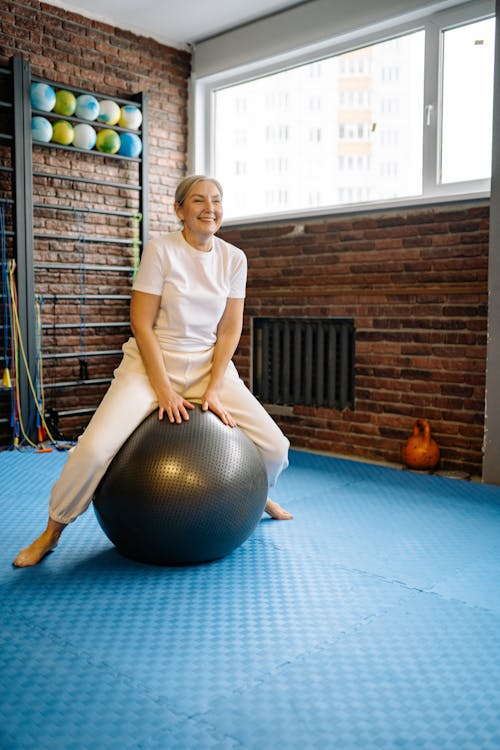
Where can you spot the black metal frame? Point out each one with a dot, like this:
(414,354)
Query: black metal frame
(23,206)
(23,228)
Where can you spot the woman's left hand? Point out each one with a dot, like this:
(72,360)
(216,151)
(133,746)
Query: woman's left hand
(210,400)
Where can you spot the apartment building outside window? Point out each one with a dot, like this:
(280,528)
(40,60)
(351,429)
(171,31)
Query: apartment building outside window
(362,125)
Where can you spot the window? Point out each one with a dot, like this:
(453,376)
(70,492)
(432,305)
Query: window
(467,107)
(405,118)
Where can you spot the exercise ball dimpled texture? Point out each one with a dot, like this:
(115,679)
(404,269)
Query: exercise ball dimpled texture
(180,494)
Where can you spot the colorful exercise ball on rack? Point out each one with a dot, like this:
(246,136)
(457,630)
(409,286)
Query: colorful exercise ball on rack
(109,112)
(87,107)
(63,133)
(108,141)
(130,117)
(41,129)
(84,136)
(130,145)
(42,97)
(65,103)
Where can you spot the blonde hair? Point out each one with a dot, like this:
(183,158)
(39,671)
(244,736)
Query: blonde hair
(187,183)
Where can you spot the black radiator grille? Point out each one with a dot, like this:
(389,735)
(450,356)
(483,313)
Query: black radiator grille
(304,361)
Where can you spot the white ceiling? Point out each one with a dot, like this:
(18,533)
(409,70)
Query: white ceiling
(176,22)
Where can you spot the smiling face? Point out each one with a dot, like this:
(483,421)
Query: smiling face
(201,213)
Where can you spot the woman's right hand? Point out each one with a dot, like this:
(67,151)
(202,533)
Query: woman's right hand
(143,312)
(174,407)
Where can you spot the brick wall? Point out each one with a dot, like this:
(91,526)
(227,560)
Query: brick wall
(86,54)
(415,282)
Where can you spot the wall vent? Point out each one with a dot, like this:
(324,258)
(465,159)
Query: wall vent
(304,361)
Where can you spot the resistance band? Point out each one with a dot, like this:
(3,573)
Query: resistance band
(19,428)
(6,378)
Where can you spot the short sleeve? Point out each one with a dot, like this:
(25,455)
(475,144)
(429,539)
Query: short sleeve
(238,276)
(151,274)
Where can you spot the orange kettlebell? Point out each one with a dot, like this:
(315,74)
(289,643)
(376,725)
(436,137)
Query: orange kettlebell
(420,450)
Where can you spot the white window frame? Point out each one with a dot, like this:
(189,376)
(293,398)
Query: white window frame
(433,191)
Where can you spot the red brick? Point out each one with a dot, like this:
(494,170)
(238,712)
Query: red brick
(420,315)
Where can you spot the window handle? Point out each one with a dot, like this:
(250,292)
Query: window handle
(428,110)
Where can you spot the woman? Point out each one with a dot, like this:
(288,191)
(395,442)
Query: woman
(186,317)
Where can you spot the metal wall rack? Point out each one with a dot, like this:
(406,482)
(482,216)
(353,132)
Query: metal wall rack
(54,189)
(15,178)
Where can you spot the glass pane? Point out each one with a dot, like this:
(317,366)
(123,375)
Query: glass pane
(347,129)
(467,102)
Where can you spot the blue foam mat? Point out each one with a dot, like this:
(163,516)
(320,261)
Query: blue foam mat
(370,621)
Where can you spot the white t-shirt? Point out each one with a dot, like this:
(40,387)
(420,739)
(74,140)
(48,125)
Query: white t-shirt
(194,287)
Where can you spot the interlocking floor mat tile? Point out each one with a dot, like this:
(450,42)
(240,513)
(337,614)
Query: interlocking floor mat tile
(52,696)
(420,675)
(369,621)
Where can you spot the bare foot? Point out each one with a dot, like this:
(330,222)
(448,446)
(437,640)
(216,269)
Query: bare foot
(276,511)
(45,543)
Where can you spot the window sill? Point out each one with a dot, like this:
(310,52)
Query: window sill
(356,208)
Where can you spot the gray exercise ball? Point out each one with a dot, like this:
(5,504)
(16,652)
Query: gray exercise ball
(181,494)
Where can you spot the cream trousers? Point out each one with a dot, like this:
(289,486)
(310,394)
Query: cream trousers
(130,399)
